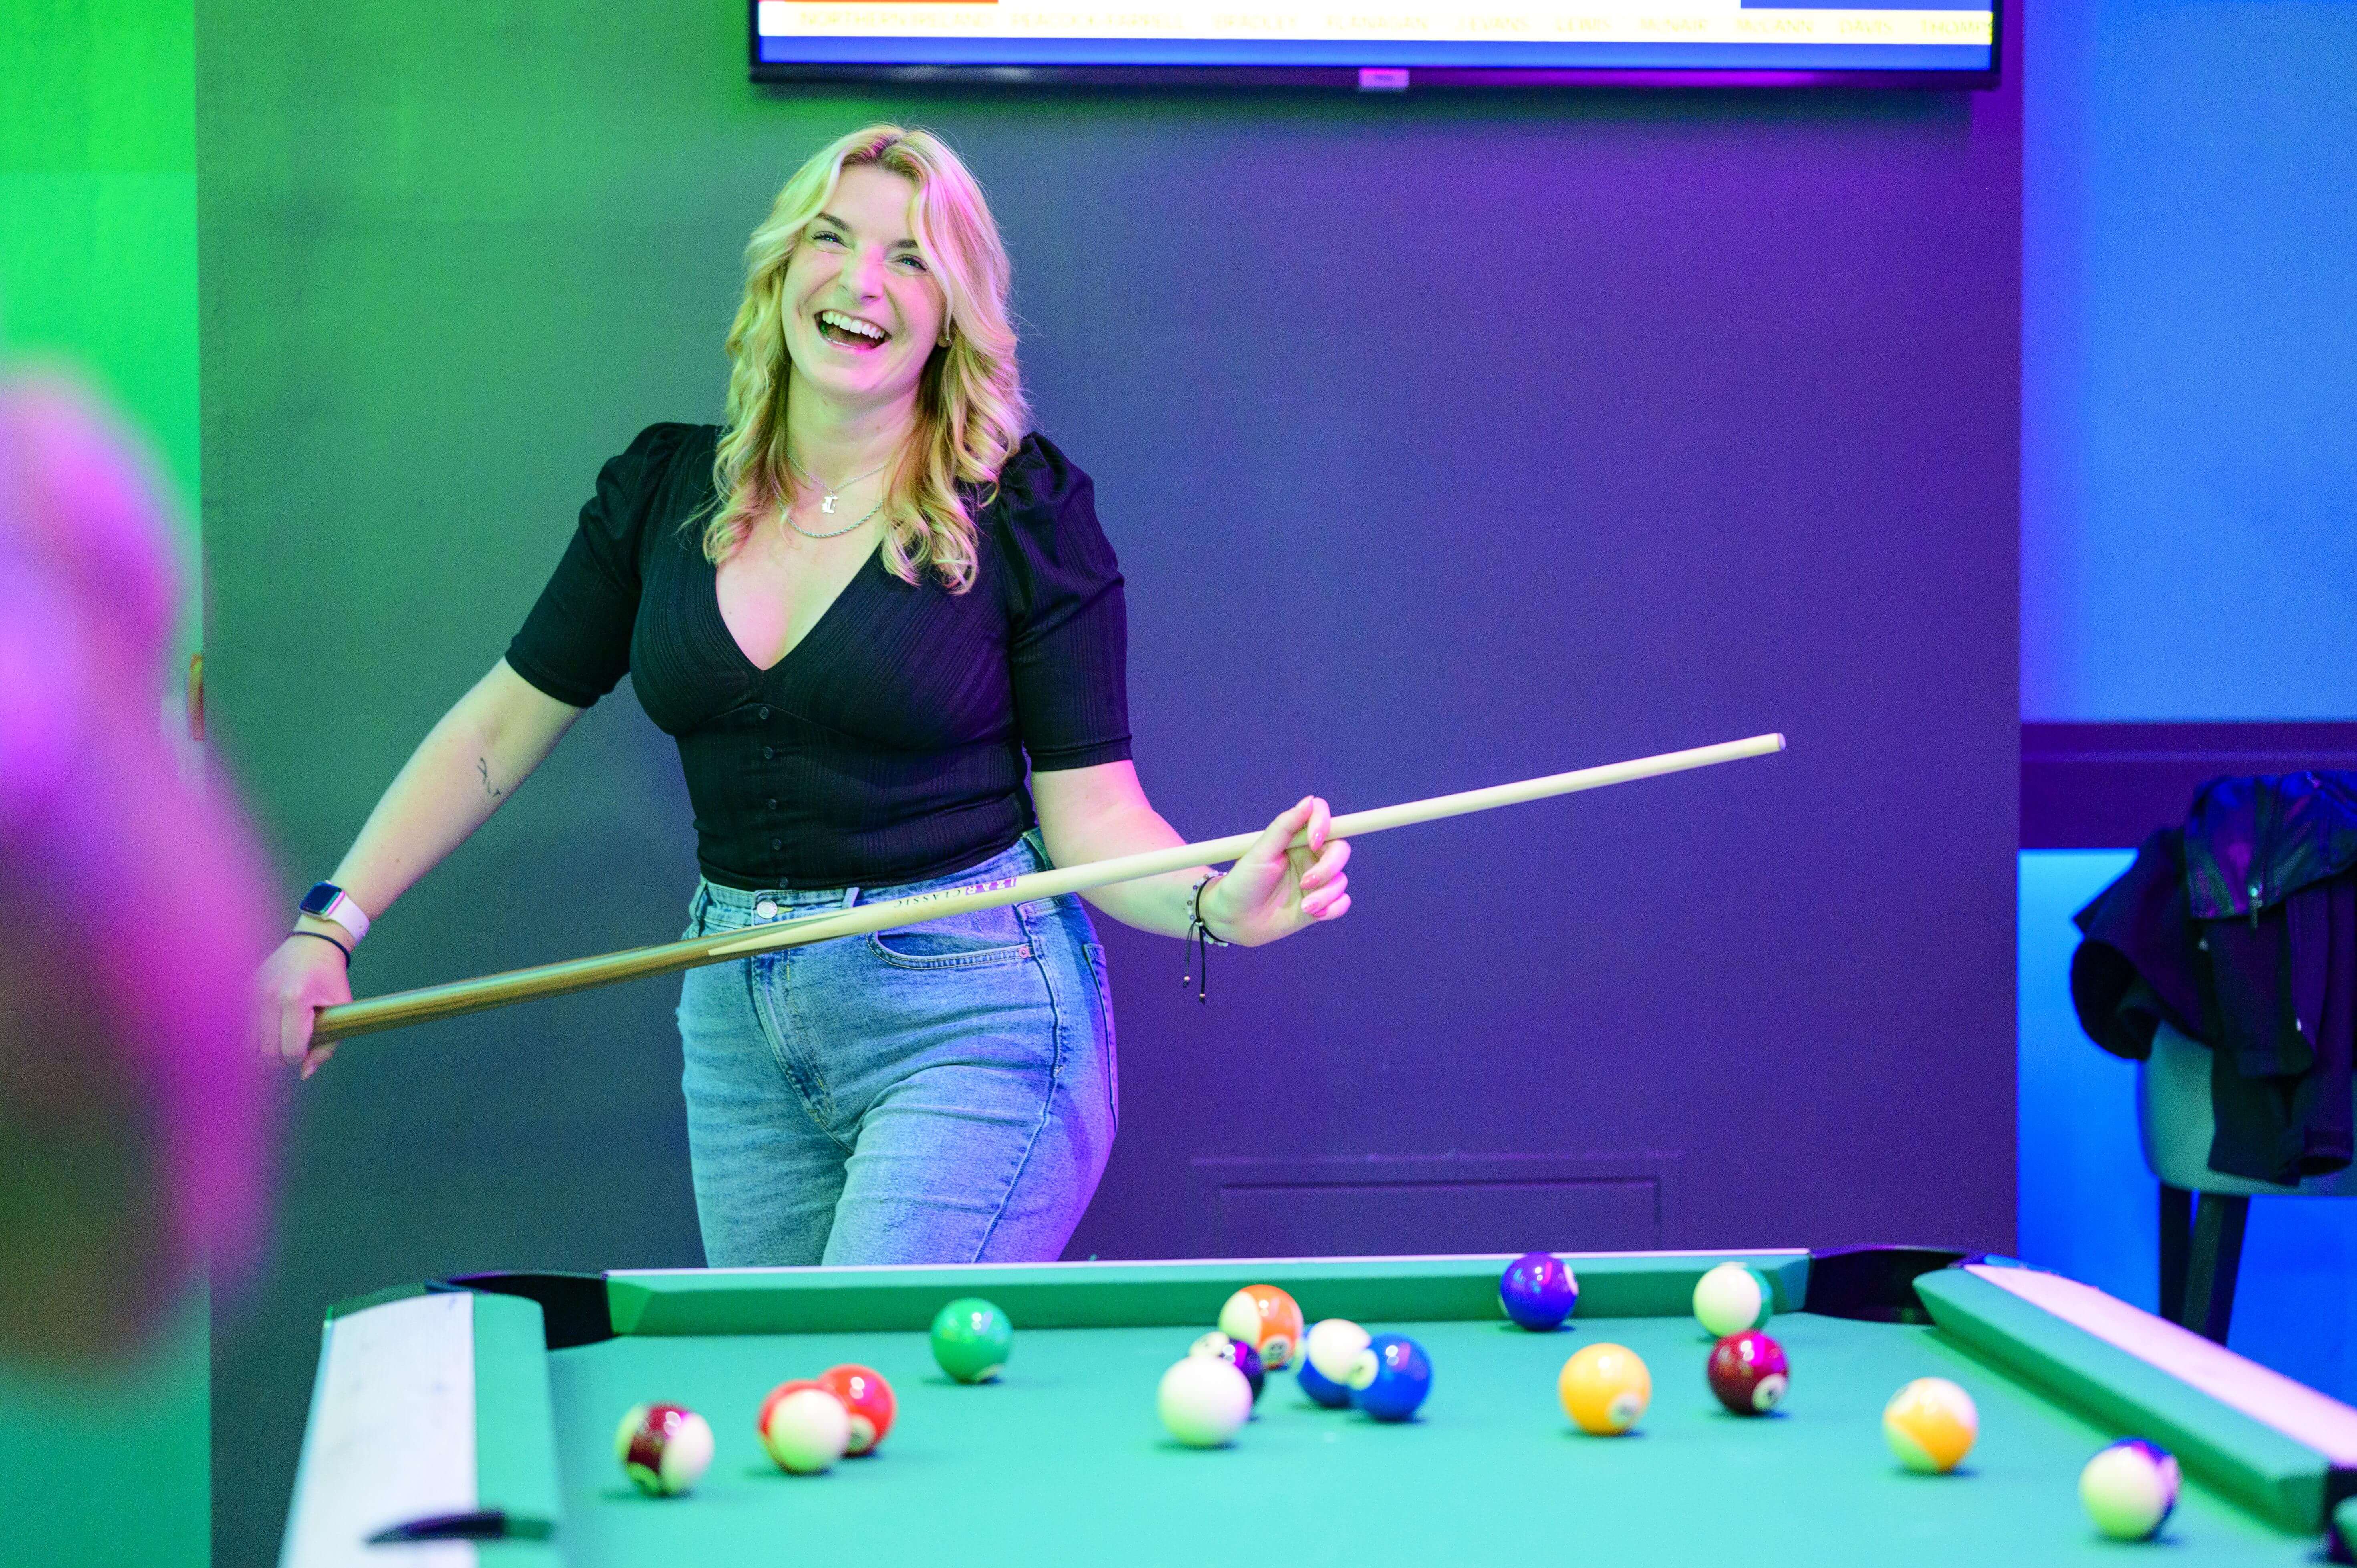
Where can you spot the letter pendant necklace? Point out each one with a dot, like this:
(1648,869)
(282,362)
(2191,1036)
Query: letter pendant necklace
(832,533)
(827,498)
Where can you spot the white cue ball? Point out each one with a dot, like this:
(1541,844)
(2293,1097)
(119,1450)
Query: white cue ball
(2129,1489)
(1731,1299)
(1203,1402)
(807,1431)
(1332,1346)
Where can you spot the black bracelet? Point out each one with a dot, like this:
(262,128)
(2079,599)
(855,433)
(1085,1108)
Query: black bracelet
(299,932)
(1200,941)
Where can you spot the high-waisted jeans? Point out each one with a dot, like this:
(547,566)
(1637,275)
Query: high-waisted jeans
(935,1093)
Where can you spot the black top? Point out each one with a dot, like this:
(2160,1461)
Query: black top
(888,746)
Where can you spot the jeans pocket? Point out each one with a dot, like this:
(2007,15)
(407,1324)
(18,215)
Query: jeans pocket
(1105,1010)
(978,937)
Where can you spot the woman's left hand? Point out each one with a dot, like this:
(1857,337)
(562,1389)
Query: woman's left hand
(1275,889)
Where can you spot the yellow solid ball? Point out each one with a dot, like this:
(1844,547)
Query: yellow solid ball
(1605,1389)
(1930,1425)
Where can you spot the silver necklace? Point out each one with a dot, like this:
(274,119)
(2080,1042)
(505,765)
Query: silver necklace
(829,497)
(787,512)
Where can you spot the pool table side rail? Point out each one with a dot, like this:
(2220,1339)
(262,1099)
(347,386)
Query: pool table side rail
(2285,1482)
(426,1404)
(1117,1294)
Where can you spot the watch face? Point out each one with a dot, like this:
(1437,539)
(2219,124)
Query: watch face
(322,895)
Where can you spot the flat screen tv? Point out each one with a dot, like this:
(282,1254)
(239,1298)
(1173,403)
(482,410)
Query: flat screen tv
(1379,45)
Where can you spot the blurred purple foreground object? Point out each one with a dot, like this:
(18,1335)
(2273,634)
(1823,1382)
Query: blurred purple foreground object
(134,1121)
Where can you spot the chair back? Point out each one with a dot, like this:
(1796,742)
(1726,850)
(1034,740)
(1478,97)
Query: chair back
(2173,1114)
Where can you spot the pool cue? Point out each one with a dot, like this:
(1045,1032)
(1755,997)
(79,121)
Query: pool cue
(460,997)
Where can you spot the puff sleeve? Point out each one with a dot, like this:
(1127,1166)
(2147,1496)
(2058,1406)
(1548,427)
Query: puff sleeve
(575,644)
(1068,622)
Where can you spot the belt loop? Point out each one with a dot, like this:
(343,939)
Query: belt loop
(850,896)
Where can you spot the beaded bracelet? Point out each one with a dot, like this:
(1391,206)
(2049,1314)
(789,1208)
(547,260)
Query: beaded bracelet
(1200,941)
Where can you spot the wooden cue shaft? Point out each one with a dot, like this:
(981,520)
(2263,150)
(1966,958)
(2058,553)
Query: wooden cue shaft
(460,997)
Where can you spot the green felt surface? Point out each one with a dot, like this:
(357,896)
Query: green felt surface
(1063,1460)
(1103,1296)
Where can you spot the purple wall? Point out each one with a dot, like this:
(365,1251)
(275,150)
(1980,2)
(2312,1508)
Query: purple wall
(1466,440)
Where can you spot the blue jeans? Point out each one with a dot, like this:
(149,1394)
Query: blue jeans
(935,1093)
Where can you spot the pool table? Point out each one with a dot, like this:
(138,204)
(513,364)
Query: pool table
(488,1405)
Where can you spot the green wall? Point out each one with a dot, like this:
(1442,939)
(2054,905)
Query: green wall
(98,272)
(454,255)
(98,213)
(107,1466)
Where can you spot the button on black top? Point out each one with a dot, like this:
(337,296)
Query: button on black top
(896,731)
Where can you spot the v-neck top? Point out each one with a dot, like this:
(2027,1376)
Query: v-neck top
(890,744)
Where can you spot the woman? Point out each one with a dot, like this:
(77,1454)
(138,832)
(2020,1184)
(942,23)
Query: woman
(859,607)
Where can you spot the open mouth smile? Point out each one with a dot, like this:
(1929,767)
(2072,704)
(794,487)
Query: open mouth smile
(851,332)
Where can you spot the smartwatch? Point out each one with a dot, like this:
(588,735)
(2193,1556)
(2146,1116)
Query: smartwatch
(326,901)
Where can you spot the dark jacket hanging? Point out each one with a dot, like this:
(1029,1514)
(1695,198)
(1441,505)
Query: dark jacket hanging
(2240,930)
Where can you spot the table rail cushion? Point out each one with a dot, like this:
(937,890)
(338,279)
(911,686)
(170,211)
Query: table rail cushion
(2282,1480)
(515,1423)
(1089,1295)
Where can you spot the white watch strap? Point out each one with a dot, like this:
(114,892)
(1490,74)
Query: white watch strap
(347,914)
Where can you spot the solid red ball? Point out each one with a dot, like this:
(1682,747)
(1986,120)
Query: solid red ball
(869,1398)
(1748,1372)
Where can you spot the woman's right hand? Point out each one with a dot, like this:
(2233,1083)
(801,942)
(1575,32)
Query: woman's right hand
(303,975)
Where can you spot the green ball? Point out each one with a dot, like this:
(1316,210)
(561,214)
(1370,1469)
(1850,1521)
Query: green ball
(972,1339)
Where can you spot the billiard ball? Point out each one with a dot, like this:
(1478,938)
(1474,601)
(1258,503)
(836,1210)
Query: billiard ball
(2129,1489)
(1605,1389)
(803,1427)
(867,1399)
(1930,1425)
(1266,1318)
(1324,1390)
(1748,1372)
(663,1448)
(1391,1377)
(1733,1298)
(1236,1354)
(1333,1347)
(1538,1291)
(972,1339)
(1203,1402)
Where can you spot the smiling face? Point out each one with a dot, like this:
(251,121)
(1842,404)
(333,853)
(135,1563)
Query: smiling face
(863,311)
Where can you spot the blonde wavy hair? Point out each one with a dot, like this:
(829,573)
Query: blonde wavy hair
(971,412)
